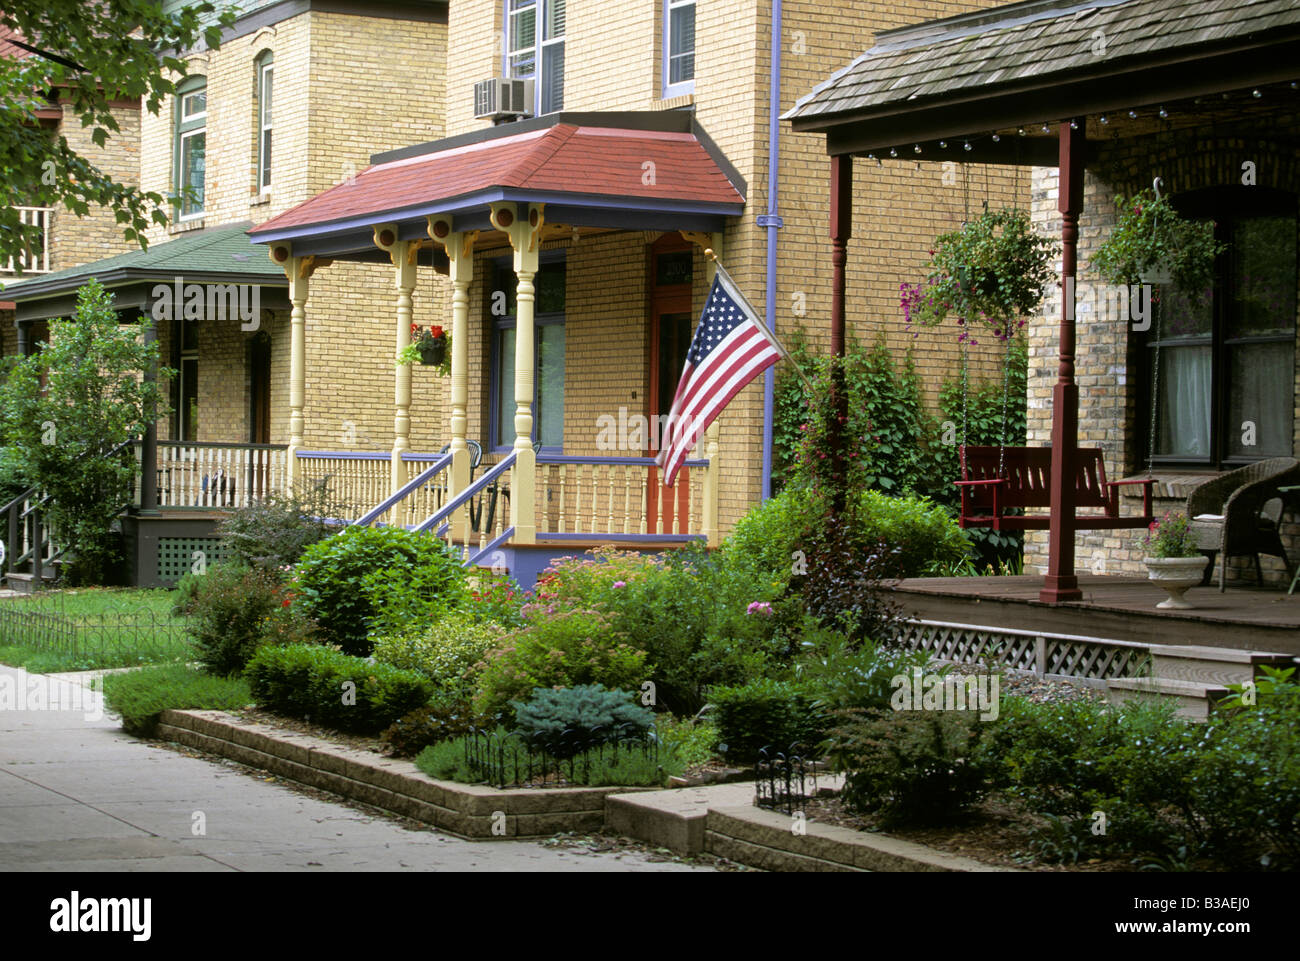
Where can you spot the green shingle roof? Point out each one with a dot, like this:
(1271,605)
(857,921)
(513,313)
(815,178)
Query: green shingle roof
(219,254)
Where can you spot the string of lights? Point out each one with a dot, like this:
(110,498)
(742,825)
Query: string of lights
(968,143)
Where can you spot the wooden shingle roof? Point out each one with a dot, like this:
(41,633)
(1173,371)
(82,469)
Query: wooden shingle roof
(1035,45)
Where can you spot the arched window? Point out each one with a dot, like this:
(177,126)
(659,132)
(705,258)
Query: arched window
(190,149)
(265,71)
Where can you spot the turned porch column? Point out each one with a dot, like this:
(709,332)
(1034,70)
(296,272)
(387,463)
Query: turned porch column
(1060,583)
(298,271)
(460,256)
(523,225)
(403,254)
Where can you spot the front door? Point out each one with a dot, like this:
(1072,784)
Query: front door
(671,274)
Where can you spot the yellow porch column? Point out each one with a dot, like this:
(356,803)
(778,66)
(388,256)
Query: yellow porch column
(523,225)
(298,271)
(403,254)
(460,255)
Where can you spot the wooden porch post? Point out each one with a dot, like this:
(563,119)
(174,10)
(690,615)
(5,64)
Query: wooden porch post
(525,237)
(298,271)
(403,254)
(841,229)
(149,443)
(1060,583)
(460,256)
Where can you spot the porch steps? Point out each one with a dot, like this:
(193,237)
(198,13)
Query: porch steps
(1212,665)
(1193,701)
(1194,677)
(26,583)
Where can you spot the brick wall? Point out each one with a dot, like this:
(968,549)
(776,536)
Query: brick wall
(1106,352)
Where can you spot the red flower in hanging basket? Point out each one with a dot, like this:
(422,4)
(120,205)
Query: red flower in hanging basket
(436,332)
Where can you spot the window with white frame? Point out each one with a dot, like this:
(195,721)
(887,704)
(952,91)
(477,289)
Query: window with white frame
(265,71)
(679,47)
(190,149)
(535,48)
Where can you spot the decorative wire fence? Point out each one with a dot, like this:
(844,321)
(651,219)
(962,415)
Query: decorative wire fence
(78,633)
(784,780)
(505,759)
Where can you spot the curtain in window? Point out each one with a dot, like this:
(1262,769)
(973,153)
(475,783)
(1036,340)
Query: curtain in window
(1261,390)
(1185,402)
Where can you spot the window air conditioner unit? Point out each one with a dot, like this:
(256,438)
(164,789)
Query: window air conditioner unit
(499,97)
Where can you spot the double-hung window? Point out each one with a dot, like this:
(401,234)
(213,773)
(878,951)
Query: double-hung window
(548,373)
(1221,361)
(265,71)
(679,47)
(190,149)
(535,48)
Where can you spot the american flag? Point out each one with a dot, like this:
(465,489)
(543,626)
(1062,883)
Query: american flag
(730,348)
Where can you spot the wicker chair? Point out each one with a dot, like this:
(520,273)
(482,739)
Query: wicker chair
(1240,512)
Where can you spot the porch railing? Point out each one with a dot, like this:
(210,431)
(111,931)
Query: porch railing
(217,476)
(357,480)
(585,497)
(37,259)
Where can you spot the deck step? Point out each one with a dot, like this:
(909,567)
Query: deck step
(1194,700)
(26,583)
(1212,665)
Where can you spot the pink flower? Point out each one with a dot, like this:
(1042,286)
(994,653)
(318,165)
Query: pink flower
(620,583)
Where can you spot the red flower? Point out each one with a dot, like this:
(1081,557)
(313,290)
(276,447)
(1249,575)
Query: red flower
(435,331)
(415,328)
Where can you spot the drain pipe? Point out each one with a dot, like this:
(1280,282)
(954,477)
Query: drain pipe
(772,221)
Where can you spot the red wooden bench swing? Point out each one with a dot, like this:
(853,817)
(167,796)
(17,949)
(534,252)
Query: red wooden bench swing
(998,483)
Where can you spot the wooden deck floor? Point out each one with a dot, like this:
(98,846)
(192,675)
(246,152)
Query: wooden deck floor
(1113,607)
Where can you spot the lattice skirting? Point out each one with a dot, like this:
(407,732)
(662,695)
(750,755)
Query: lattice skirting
(178,556)
(1088,660)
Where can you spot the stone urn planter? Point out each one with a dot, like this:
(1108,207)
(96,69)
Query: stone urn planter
(1175,575)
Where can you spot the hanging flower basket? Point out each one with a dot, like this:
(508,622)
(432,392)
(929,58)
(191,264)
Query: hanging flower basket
(434,353)
(1152,242)
(429,347)
(991,272)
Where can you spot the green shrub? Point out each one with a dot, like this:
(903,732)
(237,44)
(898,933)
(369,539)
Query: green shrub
(699,620)
(428,725)
(445,651)
(922,535)
(497,598)
(334,689)
(765,713)
(571,719)
(919,767)
(560,650)
(691,741)
(841,675)
(237,610)
(385,575)
(274,531)
(140,696)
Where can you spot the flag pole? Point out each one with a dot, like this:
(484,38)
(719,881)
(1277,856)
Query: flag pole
(759,319)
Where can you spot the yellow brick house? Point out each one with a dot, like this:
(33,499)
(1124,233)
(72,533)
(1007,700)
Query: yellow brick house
(591,153)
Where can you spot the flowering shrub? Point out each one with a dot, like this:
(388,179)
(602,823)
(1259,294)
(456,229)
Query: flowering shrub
(498,599)
(560,650)
(1171,536)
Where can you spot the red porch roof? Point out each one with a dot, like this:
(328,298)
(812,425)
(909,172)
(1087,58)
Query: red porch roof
(565,162)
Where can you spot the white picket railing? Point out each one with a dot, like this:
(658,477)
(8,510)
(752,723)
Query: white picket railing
(617,495)
(357,480)
(37,259)
(218,476)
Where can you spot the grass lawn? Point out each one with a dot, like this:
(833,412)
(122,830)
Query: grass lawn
(91,628)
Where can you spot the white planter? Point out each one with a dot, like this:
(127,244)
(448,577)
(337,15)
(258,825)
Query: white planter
(1175,575)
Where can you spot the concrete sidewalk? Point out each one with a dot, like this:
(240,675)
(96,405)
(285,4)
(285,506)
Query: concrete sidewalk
(78,794)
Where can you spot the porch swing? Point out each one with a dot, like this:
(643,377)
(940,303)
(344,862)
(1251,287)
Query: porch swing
(999,482)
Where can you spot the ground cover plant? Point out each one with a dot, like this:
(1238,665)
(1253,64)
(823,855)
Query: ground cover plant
(140,696)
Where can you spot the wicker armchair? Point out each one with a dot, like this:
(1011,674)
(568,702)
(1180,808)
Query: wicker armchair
(1229,516)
